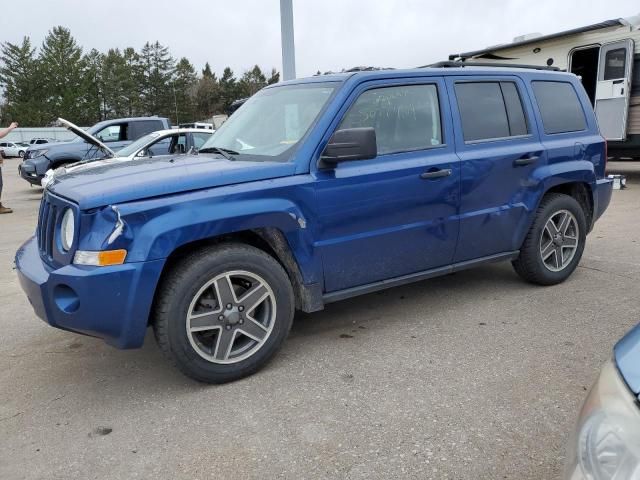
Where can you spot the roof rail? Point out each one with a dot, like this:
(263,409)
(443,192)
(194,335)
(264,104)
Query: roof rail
(452,64)
(355,69)
(366,69)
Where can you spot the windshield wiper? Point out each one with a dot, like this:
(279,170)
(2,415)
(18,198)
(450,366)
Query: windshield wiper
(225,152)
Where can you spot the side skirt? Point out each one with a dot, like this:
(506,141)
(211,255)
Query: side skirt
(416,277)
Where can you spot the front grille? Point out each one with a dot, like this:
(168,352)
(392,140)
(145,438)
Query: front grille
(47,221)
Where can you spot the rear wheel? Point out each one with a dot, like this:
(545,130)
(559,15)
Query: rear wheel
(21,153)
(555,242)
(224,312)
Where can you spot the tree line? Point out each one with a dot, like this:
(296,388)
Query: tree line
(60,80)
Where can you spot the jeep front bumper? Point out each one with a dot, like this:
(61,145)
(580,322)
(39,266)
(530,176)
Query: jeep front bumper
(112,303)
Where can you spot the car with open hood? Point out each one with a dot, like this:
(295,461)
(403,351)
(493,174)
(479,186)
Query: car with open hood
(316,190)
(112,134)
(173,141)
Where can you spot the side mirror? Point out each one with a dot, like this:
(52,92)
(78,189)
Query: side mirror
(350,144)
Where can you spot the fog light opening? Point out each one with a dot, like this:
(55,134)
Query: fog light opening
(66,298)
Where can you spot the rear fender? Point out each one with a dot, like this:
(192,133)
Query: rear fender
(547,177)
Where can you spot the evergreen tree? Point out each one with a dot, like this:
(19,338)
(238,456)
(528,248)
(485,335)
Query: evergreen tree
(207,98)
(274,78)
(113,75)
(228,88)
(59,81)
(131,82)
(184,83)
(157,68)
(61,67)
(251,82)
(22,84)
(206,71)
(91,101)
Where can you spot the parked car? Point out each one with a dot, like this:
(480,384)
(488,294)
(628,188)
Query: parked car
(163,142)
(606,442)
(202,125)
(317,190)
(40,141)
(117,133)
(13,149)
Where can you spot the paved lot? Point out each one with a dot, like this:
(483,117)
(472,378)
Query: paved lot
(472,376)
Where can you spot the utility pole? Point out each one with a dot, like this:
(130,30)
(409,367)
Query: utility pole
(288,44)
(175,102)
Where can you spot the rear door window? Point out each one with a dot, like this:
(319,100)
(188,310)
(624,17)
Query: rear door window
(560,107)
(405,118)
(490,110)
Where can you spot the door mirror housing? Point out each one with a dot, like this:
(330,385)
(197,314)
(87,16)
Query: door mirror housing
(350,144)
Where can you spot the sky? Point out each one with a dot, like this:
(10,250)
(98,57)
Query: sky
(329,34)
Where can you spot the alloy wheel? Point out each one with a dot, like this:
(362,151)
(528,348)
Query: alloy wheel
(559,240)
(231,317)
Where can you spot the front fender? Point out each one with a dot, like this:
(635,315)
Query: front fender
(165,225)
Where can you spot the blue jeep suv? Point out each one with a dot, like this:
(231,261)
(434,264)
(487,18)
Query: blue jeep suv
(314,191)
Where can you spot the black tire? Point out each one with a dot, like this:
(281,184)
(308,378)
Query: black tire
(530,264)
(21,153)
(179,292)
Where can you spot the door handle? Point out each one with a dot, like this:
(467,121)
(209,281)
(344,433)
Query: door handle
(616,82)
(443,172)
(521,162)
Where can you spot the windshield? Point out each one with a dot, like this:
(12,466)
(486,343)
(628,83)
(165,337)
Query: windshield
(271,122)
(137,145)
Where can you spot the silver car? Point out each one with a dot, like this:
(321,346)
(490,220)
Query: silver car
(13,149)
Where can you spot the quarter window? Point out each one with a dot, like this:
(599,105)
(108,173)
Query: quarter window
(140,128)
(560,107)
(490,110)
(199,139)
(405,118)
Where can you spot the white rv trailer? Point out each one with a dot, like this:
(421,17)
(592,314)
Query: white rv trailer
(603,55)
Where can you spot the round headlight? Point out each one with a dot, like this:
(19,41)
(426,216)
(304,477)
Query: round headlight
(67,230)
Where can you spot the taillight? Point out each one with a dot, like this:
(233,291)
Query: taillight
(606,155)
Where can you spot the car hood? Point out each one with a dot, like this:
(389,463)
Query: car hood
(117,182)
(86,136)
(627,357)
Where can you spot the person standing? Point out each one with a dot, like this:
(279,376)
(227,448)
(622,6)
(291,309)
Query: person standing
(3,133)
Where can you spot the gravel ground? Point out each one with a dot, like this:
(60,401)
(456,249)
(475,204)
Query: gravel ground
(476,375)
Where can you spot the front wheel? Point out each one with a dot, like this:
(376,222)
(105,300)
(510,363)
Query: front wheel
(555,242)
(223,312)
(21,153)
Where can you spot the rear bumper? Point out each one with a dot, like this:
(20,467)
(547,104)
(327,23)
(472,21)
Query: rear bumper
(112,303)
(601,197)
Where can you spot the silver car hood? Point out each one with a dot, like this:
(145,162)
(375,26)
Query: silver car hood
(87,137)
